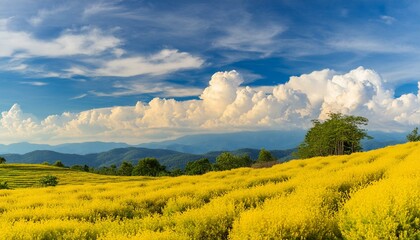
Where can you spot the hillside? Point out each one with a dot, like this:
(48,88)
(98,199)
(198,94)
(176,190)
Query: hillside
(371,195)
(169,158)
(28,175)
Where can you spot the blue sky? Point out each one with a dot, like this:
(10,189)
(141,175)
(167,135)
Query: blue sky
(69,57)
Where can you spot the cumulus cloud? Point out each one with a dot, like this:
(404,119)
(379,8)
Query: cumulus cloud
(226,105)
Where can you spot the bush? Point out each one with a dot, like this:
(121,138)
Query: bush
(4,185)
(58,163)
(48,180)
(2,160)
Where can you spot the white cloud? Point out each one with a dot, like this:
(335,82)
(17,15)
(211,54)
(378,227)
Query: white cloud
(99,8)
(245,37)
(86,41)
(79,96)
(141,87)
(225,105)
(366,44)
(44,14)
(38,84)
(388,19)
(165,61)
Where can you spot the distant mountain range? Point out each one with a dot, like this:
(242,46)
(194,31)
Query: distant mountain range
(75,148)
(175,153)
(203,143)
(169,158)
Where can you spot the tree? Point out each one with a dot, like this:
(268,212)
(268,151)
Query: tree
(414,135)
(125,169)
(227,161)
(2,160)
(198,167)
(176,172)
(338,135)
(48,180)
(265,156)
(149,167)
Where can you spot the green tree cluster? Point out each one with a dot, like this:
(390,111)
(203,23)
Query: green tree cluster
(414,135)
(198,167)
(149,167)
(152,167)
(339,134)
(2,160)
(227,161)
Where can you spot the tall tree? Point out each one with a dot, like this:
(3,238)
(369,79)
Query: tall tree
(265,156)
(125,169)
(338,135)
(414,135)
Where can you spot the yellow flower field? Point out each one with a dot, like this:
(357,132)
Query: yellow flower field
(371,195)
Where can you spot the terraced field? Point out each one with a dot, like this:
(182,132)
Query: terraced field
(28,175)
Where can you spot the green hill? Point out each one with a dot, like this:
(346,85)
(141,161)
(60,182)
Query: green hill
(169,158)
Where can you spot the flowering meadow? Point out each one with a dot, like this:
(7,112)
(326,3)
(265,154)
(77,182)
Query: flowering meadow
(369,195)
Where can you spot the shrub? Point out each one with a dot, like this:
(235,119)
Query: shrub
(48,180)
(2,160)
(4,185)
(58,163)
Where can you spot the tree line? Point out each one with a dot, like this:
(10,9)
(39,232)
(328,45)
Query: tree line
(152,167)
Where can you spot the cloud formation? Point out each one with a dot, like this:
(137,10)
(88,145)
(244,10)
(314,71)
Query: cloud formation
(86,41)
(165,61)
(225,105)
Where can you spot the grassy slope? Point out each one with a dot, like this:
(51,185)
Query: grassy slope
(372,195)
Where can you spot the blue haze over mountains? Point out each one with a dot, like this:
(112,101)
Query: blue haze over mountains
(203,143)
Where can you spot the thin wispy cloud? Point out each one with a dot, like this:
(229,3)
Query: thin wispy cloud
(161,89)
(79,96)
(388,19)
(38,84)
(165,61)
(43,14)
(86,41)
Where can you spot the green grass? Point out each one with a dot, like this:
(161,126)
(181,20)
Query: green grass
(28,175)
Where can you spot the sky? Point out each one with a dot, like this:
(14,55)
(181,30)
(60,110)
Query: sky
(140,71)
